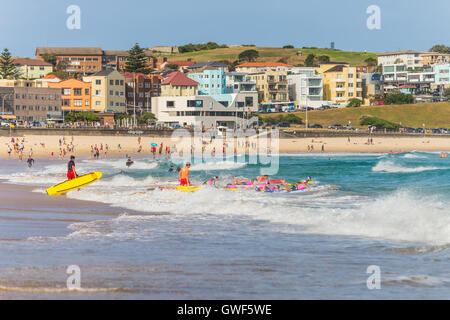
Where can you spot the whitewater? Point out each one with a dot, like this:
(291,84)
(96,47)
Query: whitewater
(386,210)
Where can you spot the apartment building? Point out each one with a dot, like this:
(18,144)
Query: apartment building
(31,103)
(75,94)
(432,58)
(272,86)
(178,84)
(108,91)
(373,85)
(341,83)
(257,67)
(33,68)
(205,110)
(82,60)
(408,58)
(306,88)
(210,81)
(239,82)
(139,90)
(442,75)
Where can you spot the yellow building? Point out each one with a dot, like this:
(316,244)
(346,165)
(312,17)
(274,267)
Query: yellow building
(272,86)
(431,58)
(177,84)
(33,68)
(108,91)
(341,83)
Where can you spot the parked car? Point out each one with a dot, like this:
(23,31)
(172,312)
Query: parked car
(336,127)
(284,125)
(349,127)
(315,126)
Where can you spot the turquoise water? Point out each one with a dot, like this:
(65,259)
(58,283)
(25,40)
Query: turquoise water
(391,211)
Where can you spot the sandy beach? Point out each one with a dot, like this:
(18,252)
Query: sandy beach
(120,146)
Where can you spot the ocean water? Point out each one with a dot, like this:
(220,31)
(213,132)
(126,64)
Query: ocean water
(390,211)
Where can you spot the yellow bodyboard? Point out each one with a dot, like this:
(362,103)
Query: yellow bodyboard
(74,184)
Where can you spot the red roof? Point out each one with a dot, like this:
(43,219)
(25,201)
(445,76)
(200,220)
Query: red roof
(182,63)
(31,62)
(179,79)
(264,64)
(51,76)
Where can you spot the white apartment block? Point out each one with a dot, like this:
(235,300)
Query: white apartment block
(306,88)
(205,110)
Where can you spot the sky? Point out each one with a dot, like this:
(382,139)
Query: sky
(404,24)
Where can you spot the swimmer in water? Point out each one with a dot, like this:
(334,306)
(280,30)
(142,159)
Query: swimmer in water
(129,162)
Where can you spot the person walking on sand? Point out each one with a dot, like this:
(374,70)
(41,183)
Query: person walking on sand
(184,175)
(71,172)
(9,151)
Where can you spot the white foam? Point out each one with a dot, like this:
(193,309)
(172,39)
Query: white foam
(392,167)
(221,165)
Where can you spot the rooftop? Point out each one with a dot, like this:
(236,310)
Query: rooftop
(264,64)
(31,62)
(75,51)
(182,63)
(179,79)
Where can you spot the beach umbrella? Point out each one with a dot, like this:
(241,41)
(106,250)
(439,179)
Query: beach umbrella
(154,144)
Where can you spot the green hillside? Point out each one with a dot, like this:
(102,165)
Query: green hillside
(433,115)
(273,55)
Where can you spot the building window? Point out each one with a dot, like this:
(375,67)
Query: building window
(50,108)
(78,103)
(56,108)
(30,108)
(77,92)
(111,82)
(86,92)
(86,103)
(97,103)
(98,92)
(170,104)
(98,82)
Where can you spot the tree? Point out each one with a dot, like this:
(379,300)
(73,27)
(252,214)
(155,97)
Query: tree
(172,66)
(137,61)
(355,102)
(371,61)
(323,59)
(8,70)
(447,93)
(50,58)
(309,62)
(146,117)
(289,46)
(248,55)
(440,48)
(84,116)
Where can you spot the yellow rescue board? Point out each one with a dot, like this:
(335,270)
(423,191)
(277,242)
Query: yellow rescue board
(183,188)
(74,184)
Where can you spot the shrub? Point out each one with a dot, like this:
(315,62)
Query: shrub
(379,123)
(398,98)
(355,102)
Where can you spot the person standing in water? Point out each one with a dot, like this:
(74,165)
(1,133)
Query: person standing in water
(30,162)
(129,162)
(71,172)
(184,175)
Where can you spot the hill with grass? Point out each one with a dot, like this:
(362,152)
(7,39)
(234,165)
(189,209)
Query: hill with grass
(267,54)
(433,115)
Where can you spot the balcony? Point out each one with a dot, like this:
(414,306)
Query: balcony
(337,80)
(341,99)
(339,89)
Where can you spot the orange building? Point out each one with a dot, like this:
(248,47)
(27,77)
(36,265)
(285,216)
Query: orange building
(75,94)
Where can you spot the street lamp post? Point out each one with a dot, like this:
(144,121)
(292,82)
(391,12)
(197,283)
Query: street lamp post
(134,100)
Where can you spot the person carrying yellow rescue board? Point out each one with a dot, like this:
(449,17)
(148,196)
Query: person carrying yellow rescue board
(71,172)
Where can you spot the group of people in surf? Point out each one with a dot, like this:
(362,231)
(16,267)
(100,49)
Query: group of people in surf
(261,183)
